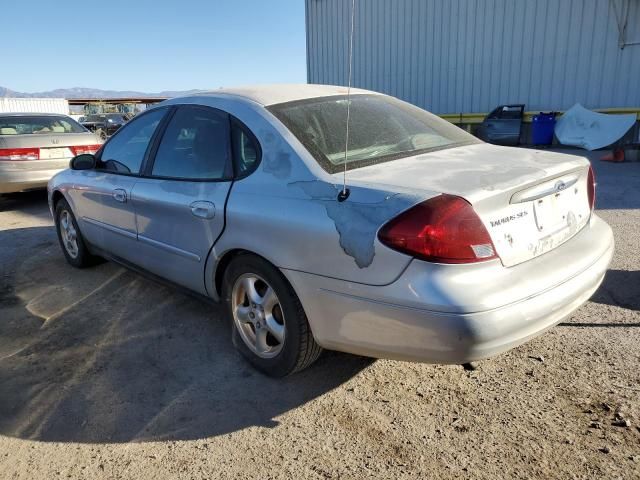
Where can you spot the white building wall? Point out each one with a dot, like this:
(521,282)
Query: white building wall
(34,105)
(461,56)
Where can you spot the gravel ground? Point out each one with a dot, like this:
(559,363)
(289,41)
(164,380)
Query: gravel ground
(104,374)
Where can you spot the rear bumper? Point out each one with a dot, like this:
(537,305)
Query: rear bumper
(457,314)
(17,178)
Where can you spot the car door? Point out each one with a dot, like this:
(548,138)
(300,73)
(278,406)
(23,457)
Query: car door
(503,125)
(103,196)
(180,201)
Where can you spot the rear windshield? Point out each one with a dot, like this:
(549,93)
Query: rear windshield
(381,129)
(19,125)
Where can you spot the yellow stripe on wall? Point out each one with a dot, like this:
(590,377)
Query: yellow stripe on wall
(471,118)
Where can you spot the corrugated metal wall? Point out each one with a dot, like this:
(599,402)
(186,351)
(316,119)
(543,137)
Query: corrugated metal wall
(35,105)
(451,56)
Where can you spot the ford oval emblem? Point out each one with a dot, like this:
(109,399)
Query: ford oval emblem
(560,185)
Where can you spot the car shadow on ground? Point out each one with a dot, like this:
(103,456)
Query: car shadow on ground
(105,355)
(617,184)
(620,288)
(33,203)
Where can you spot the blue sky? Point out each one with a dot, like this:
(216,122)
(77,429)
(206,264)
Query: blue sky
(151,46)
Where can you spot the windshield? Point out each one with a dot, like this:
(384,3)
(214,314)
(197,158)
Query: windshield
(381,129)
(19,125)
(109,117)
(115,118)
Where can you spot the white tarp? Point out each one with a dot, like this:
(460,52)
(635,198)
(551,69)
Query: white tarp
(591,130)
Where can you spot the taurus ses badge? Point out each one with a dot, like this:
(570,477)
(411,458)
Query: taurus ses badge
(560,185)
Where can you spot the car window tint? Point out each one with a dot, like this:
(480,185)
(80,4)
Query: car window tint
(495,114)
(36,124)
(381,129)
(195,145)
(511,112)
(246,152)
(125,151)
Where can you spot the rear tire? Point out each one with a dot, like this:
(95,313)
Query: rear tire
(269,326)
(71,241)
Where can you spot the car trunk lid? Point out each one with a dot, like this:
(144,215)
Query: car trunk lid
(529,201)
(50,145)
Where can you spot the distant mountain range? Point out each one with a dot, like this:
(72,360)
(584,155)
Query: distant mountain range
(79,92)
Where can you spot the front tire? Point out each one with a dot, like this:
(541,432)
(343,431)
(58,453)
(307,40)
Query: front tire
(269,326)
(70,238)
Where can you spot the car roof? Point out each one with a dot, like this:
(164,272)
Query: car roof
(32,114)
(280,93)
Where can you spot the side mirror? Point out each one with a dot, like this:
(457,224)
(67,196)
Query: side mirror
(85,161)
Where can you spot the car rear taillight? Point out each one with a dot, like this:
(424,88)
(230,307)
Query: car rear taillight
(443,229)
(19,154)
(81,149)
(591,188)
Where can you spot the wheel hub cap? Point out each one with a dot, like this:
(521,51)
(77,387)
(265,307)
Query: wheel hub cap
(69,234)
(258,316)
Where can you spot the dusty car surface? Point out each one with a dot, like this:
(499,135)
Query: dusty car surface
(36,146)
(443,248)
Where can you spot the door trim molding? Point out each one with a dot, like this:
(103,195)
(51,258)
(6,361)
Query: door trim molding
(111,228)
(169,248)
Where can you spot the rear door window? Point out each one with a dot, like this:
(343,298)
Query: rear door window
(195,146)
(246,149)
(125,151)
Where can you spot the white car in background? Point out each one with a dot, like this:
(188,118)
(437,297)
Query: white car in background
(36,146)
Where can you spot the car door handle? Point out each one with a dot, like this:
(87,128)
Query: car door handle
(120,195)
(203,209)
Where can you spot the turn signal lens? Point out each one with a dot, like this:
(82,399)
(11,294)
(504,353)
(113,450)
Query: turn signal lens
(443,229)
(81,149)
(19,154)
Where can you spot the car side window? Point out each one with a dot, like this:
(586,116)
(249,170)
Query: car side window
(506,112)
(125,151)
(246,150)
(195,146)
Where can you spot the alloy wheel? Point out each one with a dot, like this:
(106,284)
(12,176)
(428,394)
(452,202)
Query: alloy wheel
(258,316)
(69,234)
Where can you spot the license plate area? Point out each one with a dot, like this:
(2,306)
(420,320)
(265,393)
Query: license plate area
(50,153)
(554,212)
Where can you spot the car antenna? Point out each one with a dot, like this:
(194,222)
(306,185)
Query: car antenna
(344,193)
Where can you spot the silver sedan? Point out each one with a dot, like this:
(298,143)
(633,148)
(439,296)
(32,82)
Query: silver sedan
(36,146)
(417,242)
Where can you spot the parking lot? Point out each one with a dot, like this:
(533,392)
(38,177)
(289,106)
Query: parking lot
(104,373)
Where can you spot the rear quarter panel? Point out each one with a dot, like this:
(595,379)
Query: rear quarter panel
(287,211)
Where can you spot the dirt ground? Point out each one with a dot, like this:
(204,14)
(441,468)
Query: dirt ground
(105,374)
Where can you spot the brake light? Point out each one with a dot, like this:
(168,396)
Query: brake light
(591,188)
(443,229)
(19,154)
(81,149)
